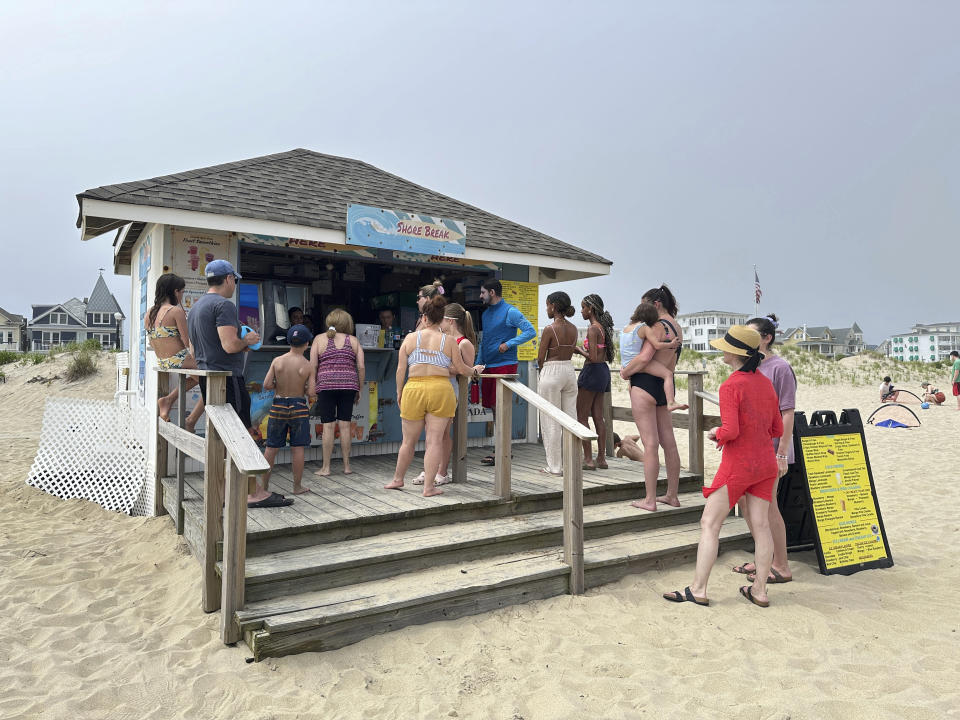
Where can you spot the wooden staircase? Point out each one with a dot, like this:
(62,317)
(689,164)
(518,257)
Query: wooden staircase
(327,585)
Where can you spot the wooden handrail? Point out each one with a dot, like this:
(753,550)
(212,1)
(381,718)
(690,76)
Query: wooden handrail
(195,372)
(186,442)
(710,397)
(240,447)
(582,432)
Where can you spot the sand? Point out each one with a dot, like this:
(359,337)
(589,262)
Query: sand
(100,618)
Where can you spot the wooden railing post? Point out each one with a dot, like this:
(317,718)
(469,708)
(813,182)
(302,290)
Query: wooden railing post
(234,553)
(503,432)
(213,490)
(695,427)
(160,467)
(181,456)
(459,464)
(573,510)
(608,421)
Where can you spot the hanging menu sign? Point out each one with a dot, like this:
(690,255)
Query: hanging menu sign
(849,534)
(525,297)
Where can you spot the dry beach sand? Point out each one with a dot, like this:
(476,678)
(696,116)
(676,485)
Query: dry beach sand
(100,617)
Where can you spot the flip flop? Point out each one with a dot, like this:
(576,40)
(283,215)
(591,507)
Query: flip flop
(747,592)
(774,578)
(275,500)
(686,596)
(591,468)
(742,569)
(546,471)
(488,460)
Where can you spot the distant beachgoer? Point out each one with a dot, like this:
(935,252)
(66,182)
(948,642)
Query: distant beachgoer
(498,349)
(648,401)
(628,447)
(751,417)
(932,394)
(458,324)
(291,376)
(338,367)
(170,342)
(557,383)
(641,329)
(955,376)
(424,394)
(784,381)
(887,392)
(594,378)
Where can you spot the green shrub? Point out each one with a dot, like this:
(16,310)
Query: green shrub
(34,358)
(8,356)
(82,364)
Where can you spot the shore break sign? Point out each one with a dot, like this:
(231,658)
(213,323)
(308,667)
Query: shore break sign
(849,530)
(398,230)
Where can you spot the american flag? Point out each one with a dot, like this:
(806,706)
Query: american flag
(757,292)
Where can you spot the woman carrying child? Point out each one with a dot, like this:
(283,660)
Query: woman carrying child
(166,327)
(594,378)
(338,366)
(426,398)
(558,380)
(648,399)
(750,417)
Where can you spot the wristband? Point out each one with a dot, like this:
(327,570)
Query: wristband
(783,457)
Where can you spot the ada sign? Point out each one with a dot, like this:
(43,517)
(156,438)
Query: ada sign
(397,230)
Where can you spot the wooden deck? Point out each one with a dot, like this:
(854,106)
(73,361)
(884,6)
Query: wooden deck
(351,559)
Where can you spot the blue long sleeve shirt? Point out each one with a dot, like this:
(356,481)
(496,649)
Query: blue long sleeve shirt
(500,325)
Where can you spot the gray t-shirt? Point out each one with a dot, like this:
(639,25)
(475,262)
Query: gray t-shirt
(207,314)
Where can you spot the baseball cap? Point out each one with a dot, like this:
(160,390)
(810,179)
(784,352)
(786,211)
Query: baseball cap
(216,268)
(299,335)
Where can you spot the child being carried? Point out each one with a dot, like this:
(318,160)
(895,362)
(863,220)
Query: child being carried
(632,338)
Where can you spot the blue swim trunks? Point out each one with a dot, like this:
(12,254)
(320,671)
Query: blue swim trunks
(288,414)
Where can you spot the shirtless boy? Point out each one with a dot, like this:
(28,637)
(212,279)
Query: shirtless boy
(290,376)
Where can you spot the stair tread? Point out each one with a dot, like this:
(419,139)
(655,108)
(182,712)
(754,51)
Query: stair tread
(405,543)
(314,608)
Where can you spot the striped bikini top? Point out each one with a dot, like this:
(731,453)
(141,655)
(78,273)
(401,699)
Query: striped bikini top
(337,367)
(437,358)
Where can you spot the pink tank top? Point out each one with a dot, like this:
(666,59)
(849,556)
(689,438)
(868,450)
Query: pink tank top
(337,367)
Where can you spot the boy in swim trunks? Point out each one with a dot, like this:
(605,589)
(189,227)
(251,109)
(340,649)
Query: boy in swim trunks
(291,376)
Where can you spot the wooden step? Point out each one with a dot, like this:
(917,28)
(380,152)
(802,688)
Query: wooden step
(328,619)
(352,561)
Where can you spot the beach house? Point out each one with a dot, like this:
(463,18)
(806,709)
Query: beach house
(13,330)
(924,342)
(98,317)
(699,328)
(829,342)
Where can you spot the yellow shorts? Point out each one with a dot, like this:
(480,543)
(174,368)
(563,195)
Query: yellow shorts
(431,394)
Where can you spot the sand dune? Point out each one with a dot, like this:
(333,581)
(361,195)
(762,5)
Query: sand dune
(100,618)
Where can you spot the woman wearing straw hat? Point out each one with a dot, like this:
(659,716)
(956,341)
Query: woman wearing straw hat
(750,417)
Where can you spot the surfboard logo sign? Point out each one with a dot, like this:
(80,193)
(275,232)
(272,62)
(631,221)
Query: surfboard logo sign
(410,232)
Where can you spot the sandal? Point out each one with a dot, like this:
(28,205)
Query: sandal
(418,480)
(442,480)
(488,460)
(747,592)
(742,569)
(774,578)
(685,596)
(547,471)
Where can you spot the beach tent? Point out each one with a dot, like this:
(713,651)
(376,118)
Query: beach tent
(907,392)
(893,415)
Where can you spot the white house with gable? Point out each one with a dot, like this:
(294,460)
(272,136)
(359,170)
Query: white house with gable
(700,328)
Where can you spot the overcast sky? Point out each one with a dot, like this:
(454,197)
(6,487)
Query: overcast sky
(684,141)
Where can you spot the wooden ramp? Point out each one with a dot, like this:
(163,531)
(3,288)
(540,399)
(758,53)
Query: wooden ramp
(351,559)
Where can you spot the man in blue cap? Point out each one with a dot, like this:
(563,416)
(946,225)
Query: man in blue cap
(214,329)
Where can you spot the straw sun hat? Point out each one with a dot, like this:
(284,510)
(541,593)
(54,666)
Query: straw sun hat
(739,340)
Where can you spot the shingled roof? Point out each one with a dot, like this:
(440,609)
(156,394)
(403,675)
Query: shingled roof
(102,300)
(312,189)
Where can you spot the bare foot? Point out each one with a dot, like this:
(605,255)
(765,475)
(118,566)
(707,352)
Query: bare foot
(674,406)
(164,405)
(190,426)
(347,470)
(667,500)
(432,491)
(644,505)
(300,490)
(322,472)
(395,485)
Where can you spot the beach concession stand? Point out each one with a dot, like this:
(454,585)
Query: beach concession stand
(319,232)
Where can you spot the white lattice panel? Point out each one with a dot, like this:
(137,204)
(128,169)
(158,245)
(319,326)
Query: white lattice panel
(97,450)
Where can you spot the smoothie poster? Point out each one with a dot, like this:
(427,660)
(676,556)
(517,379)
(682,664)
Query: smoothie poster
(191,251)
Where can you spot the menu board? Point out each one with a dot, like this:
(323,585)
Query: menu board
(525,296)
(190,253)
(843,504)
